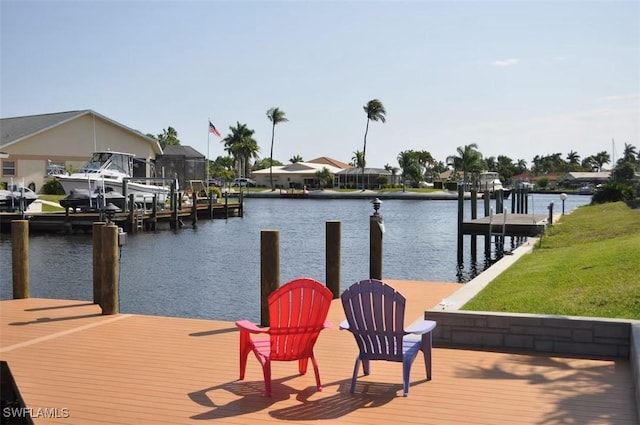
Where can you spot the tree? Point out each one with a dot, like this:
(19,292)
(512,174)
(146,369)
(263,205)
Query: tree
(468,160)
(410,166)
(276,116)
(601,158)
(169,137)
(375,112)
(263,163)
(324,176)
(630,153)
(505,168)
(357,160)
(573,159)
(296,158)
(242,146)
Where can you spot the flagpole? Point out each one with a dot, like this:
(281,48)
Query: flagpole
(207,162)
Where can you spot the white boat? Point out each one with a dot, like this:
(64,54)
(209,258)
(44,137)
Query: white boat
(16,198)
(489,181)
(108,172)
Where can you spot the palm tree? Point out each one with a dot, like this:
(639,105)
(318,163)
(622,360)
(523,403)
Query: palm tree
(630,153)
(375,112)
(601,158)
(242,146)
(296,158)
(276,116)
(469,160)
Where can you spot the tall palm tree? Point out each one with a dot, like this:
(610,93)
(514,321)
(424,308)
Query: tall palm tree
(573,160)
(630,153)
(276,116)
(469,160)
(296,158)
(375,112)
(241,145)
(601,158)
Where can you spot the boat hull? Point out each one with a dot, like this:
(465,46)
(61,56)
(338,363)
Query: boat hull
(142,192)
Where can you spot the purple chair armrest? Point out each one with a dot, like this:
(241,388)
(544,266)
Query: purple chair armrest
(420,327)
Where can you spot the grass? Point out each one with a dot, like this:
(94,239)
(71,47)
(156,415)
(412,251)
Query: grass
(51,198)
(588,264)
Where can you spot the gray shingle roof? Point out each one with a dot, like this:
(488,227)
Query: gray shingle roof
(16,128)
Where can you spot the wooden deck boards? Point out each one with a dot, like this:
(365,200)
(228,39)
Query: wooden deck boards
(128,369)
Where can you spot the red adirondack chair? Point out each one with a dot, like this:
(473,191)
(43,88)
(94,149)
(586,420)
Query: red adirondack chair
(297,313)
(375,317)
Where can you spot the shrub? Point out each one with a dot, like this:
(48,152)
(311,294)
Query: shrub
(52,187)
(613,191)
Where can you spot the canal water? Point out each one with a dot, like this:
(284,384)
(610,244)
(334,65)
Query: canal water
(213,271)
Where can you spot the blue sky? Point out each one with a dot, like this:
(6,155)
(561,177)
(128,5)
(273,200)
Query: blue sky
(517,78)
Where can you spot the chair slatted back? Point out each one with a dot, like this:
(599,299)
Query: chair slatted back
(375,312)
(297,313)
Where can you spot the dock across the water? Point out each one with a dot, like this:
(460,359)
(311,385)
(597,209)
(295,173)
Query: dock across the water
(507,225)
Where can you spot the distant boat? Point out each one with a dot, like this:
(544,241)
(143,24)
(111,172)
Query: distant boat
(489,181)
(16,197)
(586,190)
(107,171)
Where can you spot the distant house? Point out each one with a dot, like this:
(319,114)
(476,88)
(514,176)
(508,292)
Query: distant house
(579,179)
(353,177)
(296,175)
(182,162)
(30,144)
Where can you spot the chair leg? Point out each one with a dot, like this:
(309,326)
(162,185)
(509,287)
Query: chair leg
(406,375)
(365,367)
(302,366)
(355,375)
(425,346)
(317,372)
(245,349)
(266,371)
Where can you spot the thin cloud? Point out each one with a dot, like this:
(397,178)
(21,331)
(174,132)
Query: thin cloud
(506,62)
(631,96)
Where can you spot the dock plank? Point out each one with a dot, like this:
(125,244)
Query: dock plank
(151,369)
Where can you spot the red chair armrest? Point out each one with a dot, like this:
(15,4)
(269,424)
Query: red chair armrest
(245,325)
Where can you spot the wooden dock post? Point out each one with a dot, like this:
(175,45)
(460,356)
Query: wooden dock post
(474,215)
(551,213)
(132,213)
(109,298)
(226,206)
(194,209)
(20,258)
(376,230)
(460,220)
(333,229)
(96,233)
(269,270)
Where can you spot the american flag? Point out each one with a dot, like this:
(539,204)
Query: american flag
(214,130)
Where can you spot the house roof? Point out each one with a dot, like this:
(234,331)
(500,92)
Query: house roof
(16,129)
(367,170)
(330,161)
(179,150)
(603,175)
(299,168)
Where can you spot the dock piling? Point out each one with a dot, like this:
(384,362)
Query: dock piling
(333,229)
(20,258)
(96,233)
(376,230)
(269,270)
(111,267)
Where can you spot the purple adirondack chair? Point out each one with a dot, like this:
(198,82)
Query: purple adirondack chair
(375,317)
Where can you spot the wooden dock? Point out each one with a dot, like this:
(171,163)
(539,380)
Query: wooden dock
(132,221)
(509,225)
(128,368)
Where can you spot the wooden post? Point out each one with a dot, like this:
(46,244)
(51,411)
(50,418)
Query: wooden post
(333,229)
(132,214)
(174,211)
(194,209)
(109,298)
(460,220)
(98,226)
(474,215)
(20,258)
(154,212)
(269,270)
(551,213)
(210,203)
(226,205)
(376,230)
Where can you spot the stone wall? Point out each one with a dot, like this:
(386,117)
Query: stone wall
(598,338)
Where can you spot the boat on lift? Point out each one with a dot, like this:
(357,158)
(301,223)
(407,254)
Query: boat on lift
(489,181)
(109,172)
(16,197)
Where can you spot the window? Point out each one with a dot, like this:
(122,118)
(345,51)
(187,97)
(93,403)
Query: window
(8,168)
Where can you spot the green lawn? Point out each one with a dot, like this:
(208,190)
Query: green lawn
(588,264)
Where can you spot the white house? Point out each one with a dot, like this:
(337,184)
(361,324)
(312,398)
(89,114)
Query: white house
(295,175)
